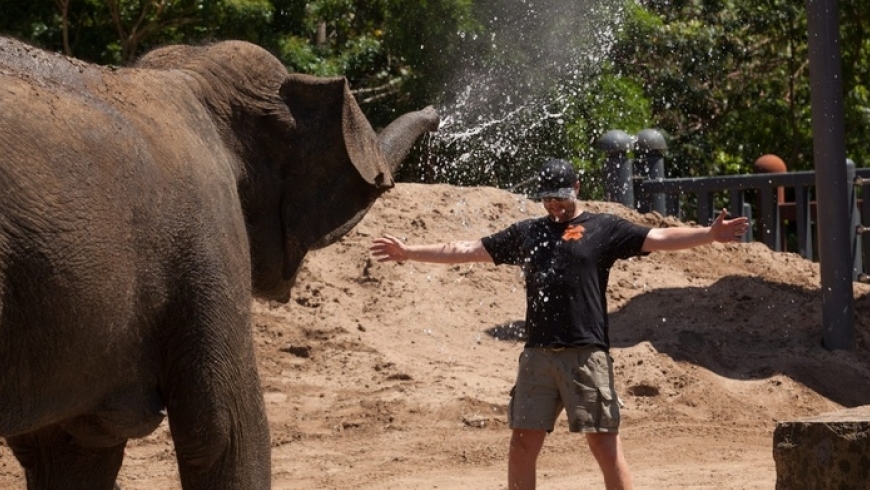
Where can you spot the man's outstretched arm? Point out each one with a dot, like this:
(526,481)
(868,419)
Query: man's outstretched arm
(722,230)
(391,249)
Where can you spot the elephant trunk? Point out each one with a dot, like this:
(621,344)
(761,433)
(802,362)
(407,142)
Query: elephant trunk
(397,139)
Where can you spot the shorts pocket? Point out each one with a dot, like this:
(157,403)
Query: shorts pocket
(607,417)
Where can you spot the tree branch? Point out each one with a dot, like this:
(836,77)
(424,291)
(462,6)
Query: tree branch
(63,5)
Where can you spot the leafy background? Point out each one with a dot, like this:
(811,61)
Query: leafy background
(516,81)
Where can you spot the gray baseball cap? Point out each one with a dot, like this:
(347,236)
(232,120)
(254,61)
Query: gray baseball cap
(556,178)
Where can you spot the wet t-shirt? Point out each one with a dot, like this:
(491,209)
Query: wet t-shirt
(567,266)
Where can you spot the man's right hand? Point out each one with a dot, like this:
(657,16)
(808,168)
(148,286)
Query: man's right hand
(389,249)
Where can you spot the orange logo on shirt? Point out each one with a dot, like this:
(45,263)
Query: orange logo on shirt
(574,232)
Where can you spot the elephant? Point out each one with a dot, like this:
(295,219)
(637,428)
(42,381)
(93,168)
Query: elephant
(141,210)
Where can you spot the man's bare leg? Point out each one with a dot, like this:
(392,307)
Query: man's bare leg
(523,457)
(607,449)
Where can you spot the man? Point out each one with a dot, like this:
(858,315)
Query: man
(566,256)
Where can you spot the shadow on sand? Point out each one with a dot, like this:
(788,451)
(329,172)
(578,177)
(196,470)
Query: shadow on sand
(743,328)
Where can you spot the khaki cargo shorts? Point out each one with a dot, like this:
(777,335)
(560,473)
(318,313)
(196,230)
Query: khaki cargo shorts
(578,379)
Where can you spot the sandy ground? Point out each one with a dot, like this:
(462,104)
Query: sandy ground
(387,376)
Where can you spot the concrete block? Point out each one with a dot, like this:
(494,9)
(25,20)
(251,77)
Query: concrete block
(826,452)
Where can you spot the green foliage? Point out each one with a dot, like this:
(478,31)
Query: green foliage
(609,102)
(729,80)
(335,37)
(300,56)
(725,80)
(240,19)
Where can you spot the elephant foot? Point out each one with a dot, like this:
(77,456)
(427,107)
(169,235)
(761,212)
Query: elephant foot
(52,460)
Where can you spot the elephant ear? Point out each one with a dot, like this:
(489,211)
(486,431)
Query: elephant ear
(318,104)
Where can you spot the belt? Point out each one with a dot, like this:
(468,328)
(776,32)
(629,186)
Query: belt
(561,348)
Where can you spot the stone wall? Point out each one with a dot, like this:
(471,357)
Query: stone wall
(827,452)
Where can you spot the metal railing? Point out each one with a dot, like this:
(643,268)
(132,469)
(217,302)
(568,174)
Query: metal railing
(843,219)
(655,193)
(772,214)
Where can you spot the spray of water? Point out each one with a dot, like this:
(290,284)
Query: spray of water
(505,108)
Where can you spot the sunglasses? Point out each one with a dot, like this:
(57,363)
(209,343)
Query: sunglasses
(559,200)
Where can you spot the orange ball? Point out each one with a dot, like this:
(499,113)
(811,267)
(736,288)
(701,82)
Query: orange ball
(769,164)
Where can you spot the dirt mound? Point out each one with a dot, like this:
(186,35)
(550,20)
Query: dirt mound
(386,376)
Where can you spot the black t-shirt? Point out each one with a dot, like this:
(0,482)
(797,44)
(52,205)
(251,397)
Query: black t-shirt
(567,266)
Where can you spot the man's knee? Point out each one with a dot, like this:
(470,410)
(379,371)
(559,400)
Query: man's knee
(604,445)
(527,443)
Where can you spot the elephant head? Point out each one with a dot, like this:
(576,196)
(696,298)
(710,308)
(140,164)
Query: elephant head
(140,209)
(312,164)
(349,173)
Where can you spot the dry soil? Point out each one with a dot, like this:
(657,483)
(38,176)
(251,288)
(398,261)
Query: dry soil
(389,376)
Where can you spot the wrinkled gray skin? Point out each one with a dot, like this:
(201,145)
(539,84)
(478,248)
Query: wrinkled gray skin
(140,209)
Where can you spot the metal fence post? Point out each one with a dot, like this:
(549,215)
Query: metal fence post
(804,217)
(864,215)
(650,148)
(618,185)
(747,212)
(855,215)
(829,154)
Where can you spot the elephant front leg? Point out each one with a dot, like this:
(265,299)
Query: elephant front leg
(217,415)
(53,460)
